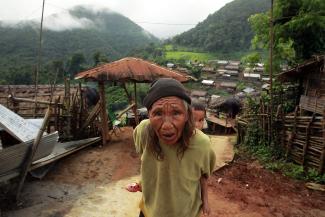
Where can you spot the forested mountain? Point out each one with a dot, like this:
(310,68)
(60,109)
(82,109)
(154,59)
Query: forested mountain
(80,30)
(227,30)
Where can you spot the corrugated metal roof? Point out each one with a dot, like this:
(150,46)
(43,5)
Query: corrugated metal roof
(130,69)
(228,84)
(17,126)
(303,69)
(198,93)
(208,82)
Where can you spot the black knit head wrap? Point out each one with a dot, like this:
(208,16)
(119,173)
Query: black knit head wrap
(165,87)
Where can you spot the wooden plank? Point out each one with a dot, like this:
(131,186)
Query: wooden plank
(307,140)
(93,114)
(293,134)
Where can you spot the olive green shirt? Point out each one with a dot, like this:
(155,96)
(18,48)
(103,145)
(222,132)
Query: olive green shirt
(171,187)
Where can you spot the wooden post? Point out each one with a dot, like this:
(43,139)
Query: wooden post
(271,73)
(134,108)
(67,93)
(31,153)
(81,106)
(127,93)
(56,110)
(103,113)
(135,104)
(322,157)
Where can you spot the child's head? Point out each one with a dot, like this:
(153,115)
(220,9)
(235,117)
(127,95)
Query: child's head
(198,111)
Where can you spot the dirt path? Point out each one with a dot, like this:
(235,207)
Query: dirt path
(91,183)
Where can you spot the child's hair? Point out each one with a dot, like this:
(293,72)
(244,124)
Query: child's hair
(197,106)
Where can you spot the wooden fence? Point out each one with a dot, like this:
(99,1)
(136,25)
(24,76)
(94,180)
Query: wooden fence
(69,108)
(304,140)
(302,137)
(28,109)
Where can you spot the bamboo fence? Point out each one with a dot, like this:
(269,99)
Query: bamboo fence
(301,135)
(304,140)
(68,105)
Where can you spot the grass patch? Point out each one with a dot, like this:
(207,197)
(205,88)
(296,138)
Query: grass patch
(267,156)
(186,55)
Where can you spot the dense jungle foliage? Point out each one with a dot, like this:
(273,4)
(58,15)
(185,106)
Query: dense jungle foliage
(225,31)
(299,30)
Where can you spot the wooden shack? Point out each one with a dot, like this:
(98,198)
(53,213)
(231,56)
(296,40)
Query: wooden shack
(304,130)
(311,77)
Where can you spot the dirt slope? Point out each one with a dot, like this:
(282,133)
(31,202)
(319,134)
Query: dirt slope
(90,183)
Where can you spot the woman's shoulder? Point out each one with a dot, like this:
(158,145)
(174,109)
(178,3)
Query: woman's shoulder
(200,139)
(142,125)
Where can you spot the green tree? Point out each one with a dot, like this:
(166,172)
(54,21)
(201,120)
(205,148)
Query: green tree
(251,60)
(303,22)
(99,58)
(75,63)
(299,30)
(56,70)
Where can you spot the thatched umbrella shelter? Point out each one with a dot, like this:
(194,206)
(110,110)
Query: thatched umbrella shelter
(128,69)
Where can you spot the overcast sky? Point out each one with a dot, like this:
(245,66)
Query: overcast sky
(163,18)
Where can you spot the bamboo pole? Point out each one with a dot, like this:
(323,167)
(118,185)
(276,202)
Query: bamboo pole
(31,153)
(39,58)
(271,71)
(16,99)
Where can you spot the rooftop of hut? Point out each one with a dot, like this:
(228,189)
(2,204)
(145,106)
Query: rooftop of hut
(199,93)
(130,69)
(301,70)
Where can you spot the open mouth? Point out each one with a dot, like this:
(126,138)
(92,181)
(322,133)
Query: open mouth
(168,136)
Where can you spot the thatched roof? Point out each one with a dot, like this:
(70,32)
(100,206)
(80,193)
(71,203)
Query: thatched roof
(130,69)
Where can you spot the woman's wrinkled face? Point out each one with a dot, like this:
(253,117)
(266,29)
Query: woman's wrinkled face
(168,116)
(198,116)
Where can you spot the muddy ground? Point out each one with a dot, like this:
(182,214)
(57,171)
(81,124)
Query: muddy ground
(91,183)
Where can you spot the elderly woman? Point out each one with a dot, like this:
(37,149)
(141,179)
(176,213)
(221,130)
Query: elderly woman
(174,155)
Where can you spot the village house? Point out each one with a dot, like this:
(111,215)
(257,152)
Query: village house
(232,67)
(311,75)
(249,75)
(229,86)
(200,96)
(208,82)
(234,62)
(171,65)
(222,62)
(304,137)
